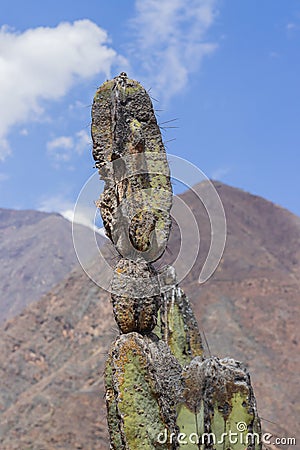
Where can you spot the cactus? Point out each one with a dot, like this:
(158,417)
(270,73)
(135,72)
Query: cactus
(143,381)
(133,309)
(161,390)
(131,159)
(219,405)
(177,325)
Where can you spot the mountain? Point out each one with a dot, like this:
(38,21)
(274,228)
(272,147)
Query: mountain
(52,355)
(52,359)
(36,252)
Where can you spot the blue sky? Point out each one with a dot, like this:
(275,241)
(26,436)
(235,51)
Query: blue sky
(227,71)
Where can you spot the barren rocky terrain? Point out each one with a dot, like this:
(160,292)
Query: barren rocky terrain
(36,252)
(52,354)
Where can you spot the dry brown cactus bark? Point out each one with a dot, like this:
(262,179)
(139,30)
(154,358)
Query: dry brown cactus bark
(161,390)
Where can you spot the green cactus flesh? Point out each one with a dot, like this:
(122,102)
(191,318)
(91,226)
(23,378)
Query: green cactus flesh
(177,324)
(219,406)
(146,381)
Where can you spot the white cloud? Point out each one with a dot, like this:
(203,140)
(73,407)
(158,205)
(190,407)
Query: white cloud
(55,203)
(60,148)
(85,215)
(5,149)
(63,148)
(43,64)
(83,218)
(82,141)
(171,40)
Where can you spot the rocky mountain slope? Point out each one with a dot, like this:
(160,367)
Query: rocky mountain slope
(52,355)
(36,252)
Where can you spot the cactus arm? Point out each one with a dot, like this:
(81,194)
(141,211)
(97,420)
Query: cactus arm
(177,324)
(219,394)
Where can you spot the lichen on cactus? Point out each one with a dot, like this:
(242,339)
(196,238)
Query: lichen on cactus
(143,387)
(177,325)
(219,405)
(129,154)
